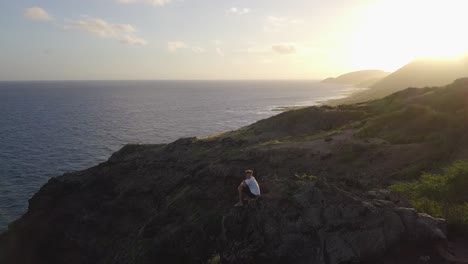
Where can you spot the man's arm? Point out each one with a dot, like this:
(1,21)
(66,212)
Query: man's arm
(241,185)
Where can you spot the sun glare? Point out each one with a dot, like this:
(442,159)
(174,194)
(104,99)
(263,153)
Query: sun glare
(394,32)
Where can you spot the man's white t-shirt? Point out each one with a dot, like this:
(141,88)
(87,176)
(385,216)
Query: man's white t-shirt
(253,185)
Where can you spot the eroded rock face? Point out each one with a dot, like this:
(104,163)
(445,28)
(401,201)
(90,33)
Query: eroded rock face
(324,225)
(173,204)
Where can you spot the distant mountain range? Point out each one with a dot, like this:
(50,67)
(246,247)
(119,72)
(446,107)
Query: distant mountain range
(417,74)
(364,78)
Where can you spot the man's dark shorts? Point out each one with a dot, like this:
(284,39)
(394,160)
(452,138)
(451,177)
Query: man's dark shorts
(248,193)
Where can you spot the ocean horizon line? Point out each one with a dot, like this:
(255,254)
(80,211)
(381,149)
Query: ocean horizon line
(162,80)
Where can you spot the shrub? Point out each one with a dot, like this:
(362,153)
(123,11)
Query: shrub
(216,259)
(441,195)
(306,177)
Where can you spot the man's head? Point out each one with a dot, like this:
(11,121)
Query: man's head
(248,173)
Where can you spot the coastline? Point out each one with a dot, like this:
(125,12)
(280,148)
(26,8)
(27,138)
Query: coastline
(81,146)
(348,92)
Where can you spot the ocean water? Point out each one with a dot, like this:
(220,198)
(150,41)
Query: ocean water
(48,128)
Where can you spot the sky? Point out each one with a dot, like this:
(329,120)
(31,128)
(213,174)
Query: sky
(222,39)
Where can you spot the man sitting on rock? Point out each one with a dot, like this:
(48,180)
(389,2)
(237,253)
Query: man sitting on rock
(248,188)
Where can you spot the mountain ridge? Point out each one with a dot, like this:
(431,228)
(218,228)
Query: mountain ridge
(363,78)
(417,74)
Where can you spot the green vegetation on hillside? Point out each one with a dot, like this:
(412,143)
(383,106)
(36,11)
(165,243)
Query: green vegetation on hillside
(441,195)
(438,116)
(298,125)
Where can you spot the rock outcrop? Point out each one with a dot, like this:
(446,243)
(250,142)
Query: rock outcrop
(323,224)
(173,204)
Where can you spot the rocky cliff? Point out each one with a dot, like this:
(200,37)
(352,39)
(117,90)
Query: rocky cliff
(322,171)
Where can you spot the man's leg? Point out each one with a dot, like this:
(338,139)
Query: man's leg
(241,193)
(241,190)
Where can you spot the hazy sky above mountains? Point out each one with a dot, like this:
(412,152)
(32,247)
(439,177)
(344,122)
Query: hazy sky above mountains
(222,39)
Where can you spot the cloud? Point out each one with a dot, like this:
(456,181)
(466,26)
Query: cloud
(173,46)
(198,50)
(284,49)
(36,13)
(147,2)
(274,24)
(254,48)
(220,52)
(238,11)
(99,27)
(217,42)
(132,40)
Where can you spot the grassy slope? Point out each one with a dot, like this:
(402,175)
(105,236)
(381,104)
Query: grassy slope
(410,116)
(434,117)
